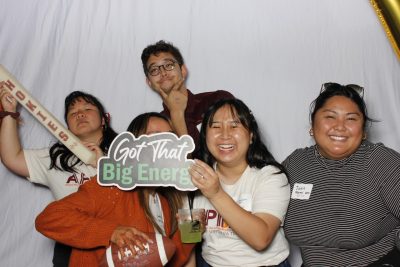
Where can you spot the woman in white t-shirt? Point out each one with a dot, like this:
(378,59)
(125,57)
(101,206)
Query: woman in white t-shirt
(244,190)
(57,167)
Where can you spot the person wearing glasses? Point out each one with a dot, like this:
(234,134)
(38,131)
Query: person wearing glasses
(166,73)
(345,191)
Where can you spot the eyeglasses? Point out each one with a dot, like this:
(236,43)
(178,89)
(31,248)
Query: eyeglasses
(335,86)
(155,70)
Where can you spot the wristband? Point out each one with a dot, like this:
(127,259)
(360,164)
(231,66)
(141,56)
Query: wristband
(3,114)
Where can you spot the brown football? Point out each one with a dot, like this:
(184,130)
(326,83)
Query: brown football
(158,254)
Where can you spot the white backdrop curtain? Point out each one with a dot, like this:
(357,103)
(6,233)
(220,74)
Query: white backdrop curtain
(273,54)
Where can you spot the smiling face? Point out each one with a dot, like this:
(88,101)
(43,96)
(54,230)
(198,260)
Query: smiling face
(166,79)
(338,128)
(84,121)
(227,139)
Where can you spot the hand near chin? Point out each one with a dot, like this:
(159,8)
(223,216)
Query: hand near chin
(176,100)
(205,178)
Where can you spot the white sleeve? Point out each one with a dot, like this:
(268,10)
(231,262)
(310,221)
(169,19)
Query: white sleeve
(272,194)
(38,163)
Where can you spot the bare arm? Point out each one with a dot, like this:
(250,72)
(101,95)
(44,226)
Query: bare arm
(11,151)
(257,230)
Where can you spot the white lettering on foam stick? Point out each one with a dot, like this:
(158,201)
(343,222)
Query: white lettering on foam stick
(8,81)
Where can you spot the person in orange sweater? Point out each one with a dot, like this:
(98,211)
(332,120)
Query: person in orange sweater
(90,219)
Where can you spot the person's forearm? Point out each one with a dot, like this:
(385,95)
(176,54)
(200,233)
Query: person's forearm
(178,122)
(250,228)
(11,151)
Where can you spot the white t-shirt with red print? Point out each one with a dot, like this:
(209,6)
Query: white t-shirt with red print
(60,183)
(257,191)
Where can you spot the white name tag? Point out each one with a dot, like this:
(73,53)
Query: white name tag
(301,191)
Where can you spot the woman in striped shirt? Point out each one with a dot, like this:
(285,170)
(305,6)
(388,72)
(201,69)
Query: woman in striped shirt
(345,201)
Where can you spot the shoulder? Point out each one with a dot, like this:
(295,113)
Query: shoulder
(268,174)
(378,157)
(299,155)
(216,95)
(94,187)
(42,153)
(378,149)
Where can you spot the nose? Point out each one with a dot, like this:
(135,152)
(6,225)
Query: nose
(80,115)
(163,72)
(340,124)
(225,132)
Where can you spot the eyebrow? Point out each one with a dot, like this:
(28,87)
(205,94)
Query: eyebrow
(165,59)
(348,113)
(230,121)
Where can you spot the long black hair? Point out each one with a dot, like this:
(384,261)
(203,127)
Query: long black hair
(68,160)
(257,155)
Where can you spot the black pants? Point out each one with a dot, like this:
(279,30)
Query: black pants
(392,259)
(61,255)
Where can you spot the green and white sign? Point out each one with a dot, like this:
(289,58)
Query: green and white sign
(150,160)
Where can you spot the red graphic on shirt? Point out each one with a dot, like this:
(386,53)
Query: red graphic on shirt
(75,179)
(214,219)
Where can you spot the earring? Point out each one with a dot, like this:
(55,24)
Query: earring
(311,132)
(364,136)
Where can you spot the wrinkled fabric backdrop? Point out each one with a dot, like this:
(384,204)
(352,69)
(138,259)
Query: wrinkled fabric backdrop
(273,54)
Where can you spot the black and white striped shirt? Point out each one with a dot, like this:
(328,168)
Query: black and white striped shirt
(353,211)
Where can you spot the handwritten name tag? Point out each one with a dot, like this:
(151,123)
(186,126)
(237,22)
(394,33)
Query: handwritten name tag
(301,191)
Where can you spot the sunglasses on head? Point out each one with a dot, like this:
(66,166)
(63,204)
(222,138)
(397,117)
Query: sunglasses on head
(333,86)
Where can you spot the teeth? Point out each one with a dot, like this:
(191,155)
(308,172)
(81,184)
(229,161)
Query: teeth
(338,138)
(226,146)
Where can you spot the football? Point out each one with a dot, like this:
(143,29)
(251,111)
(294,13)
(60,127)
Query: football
(157,253)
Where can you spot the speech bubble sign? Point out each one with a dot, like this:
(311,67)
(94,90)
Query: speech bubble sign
(150,160)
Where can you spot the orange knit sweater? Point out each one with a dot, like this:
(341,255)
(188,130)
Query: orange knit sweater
(85,220)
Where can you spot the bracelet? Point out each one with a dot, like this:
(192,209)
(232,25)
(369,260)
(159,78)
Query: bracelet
(3,114)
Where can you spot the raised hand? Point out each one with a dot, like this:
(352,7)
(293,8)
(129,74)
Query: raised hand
(205,178)
(176,99)
(97,150)
(8,102)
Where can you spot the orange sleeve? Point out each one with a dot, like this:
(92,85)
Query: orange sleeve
(72,220)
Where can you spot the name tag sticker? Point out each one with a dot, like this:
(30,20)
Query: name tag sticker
(301,191)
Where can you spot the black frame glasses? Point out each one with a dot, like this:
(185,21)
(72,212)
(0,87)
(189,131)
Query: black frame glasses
(332,86)
(156,70)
